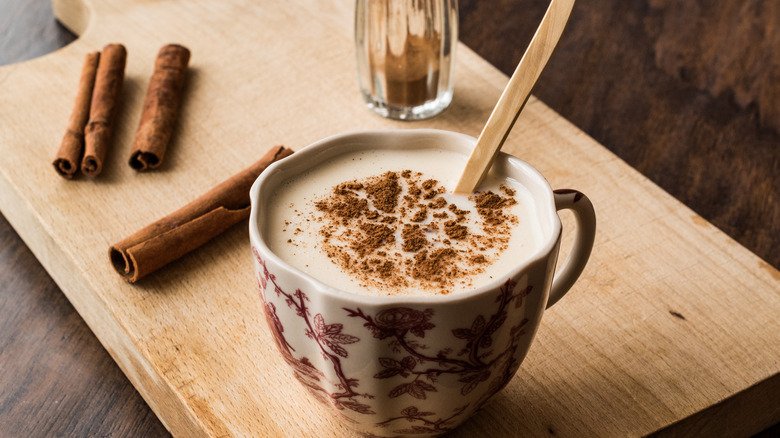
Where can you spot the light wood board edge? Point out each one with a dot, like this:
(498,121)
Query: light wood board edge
(33,231)
(177,418)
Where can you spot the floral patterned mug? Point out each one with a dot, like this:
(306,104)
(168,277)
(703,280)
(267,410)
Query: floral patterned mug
(413,365)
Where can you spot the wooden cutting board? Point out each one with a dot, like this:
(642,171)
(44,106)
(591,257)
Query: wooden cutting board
(673,327)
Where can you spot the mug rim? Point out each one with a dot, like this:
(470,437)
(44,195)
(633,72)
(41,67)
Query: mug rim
(318,148)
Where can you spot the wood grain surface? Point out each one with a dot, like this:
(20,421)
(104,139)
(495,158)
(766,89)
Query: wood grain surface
(686,92)
(515,95)
(70,387)
(55,377)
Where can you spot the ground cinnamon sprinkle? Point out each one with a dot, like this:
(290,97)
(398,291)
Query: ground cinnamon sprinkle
(384,192)
(374,236)
(421,214)
(379,230)
(414,238)
(435,266)
(438,203)
(455,230)
(349,208)
(478,259)
(489,206)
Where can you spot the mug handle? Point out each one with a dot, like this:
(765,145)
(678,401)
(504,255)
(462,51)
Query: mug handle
(585,217)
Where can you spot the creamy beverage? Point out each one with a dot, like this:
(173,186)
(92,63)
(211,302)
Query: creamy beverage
(402,306)
(385,222)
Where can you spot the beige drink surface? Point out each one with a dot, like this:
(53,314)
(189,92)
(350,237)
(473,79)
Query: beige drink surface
(330,223)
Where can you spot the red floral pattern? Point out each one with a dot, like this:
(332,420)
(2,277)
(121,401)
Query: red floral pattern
(419,370)
(414,366)
(329,338)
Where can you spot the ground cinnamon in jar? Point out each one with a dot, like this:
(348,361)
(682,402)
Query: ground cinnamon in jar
(412,73)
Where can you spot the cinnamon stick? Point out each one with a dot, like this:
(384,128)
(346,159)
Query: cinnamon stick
(68,159)
(108,88)
(191,226)
(160,107)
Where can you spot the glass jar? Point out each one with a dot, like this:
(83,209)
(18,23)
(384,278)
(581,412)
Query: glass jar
(405,55)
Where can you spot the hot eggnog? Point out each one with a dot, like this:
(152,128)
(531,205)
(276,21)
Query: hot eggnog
(385,222)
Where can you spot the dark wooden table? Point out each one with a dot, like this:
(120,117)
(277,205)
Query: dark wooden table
(687,92)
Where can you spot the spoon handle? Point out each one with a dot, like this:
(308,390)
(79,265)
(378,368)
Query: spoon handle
(515,95)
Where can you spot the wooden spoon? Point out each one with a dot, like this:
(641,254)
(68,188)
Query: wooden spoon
(515,95)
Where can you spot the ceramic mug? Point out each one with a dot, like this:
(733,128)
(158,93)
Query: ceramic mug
(413,365)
